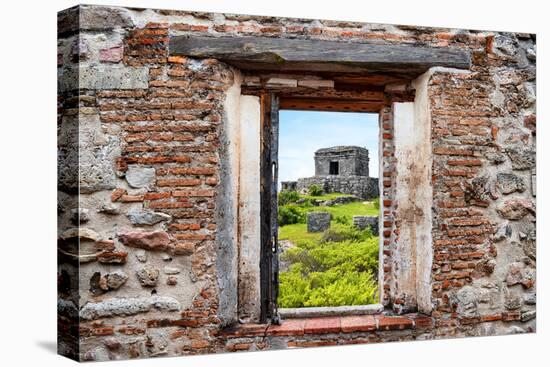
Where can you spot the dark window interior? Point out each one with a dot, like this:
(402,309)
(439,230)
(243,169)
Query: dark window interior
(333,168)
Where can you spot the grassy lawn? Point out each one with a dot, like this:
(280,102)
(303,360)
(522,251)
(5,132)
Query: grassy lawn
(348,210)
(298,232)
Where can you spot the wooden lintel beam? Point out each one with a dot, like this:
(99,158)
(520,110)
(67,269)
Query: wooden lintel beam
(326,104)
(263,53)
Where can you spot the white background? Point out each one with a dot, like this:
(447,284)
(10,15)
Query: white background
(28,182)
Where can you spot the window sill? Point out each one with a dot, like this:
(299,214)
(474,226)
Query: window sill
(307,312)
(331,325)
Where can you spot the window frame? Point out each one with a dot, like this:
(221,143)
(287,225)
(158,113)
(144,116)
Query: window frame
(271,104)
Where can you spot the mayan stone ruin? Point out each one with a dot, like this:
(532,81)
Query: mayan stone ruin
(167,166)
(343,169)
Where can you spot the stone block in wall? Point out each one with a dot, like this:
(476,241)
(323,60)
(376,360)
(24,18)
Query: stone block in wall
(97,155)
(99,18)
(364,221)
(289,185)
(114,77)
(103,77)
(318,221)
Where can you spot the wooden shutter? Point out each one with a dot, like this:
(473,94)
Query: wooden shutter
(269,262)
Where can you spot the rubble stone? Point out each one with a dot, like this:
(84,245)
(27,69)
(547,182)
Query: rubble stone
(127,306)
(148,276)
(146,217)
(140,177)
(152,241)
(516,209)
(509,183)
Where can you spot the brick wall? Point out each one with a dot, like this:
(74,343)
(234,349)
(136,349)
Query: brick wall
(138,226)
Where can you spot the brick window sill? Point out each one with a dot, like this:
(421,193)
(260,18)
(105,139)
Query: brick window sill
(331,325)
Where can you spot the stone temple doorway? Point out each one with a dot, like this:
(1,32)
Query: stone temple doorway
(333,168)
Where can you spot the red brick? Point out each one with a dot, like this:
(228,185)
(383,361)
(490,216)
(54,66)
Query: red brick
(185,323)
(287,328)
(212,181)
(112,257)
(311,343)
(464,162)
(452,151)
(243,330)
(183,248)
(169,205)
(117,194)
(177,59)
(199,344)
(190,193)
(393,323)
(178,182)
(496,317)
(422,322)
(178,334)
(190,236)
(156,195)
(131,330)
(238,347)
(469,222)
(511,316)
(320,325)
(358,323)
(192,171)
(185,226)
(103,331)
(131,198)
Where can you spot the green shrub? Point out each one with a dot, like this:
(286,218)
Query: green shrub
(330,274)
(290,214)
(345,232)
(342,219)
(315,190)
(338,267)
(376,203)
(363,255)
(287,197)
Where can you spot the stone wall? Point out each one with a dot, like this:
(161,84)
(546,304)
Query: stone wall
(146,249)
(361,186)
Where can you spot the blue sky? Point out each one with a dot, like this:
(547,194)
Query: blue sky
(303,132)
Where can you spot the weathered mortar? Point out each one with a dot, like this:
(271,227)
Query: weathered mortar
(170,115)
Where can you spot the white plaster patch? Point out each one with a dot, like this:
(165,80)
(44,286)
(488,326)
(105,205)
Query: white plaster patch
(413,255)
(249,208)
(405,144)
(424,193)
